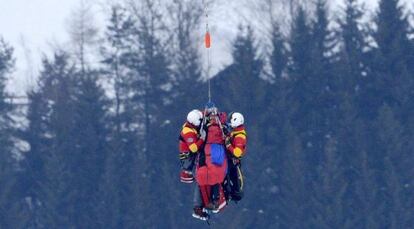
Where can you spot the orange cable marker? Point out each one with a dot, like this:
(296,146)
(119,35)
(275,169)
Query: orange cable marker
(207,40)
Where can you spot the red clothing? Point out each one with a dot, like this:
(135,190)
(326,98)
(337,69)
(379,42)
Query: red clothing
(211,174)
(189,139)
(215,133)
(206,192)
(222,117)
(238,141)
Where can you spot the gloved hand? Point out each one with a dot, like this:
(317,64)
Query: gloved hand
(203,134)
(184,155)
(236,161)
(227,142)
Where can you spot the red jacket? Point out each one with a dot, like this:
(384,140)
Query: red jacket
(214,132)
(238,141)
(189,139)
(210,173)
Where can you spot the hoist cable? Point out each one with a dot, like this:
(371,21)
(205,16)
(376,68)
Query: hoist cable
(207,41)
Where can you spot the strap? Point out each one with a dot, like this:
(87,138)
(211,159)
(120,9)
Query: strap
(240,176)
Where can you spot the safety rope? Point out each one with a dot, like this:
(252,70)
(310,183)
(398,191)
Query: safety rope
(207,41)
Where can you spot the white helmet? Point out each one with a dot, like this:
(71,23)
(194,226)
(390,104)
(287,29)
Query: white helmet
(236,119)
(195,117)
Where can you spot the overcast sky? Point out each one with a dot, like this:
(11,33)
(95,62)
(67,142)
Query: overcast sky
(33,24)
(34,27)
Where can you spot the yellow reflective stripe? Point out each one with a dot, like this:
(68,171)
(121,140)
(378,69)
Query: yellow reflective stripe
(193,147)
(237,152)
(188,130)
(240,136)
(241,132)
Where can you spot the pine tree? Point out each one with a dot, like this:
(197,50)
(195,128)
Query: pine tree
(273,137)
(303,91)
(300,54)
(188,90)
(322,108)
(299,87)
(328,201)
(10,215)
(187,61)
(50,137)
(277,88)
(353,65)
(392,161)
(398,213)
(91,139)
(34,161)
(392,80)
(293,199)
(353,140)
(114,54)
(83,33)
(67,132)
(237,86)
(6,144)
(149,71)
(91,119)
(149,67)
(352,80)
(58,200)
(322,42)
(279,57)
(121,159)
(366,200)
(242,80)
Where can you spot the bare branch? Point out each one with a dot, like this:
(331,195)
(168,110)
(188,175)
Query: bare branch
(83,31)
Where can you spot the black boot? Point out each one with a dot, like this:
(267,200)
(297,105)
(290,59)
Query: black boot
(200,213)
(215,194)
